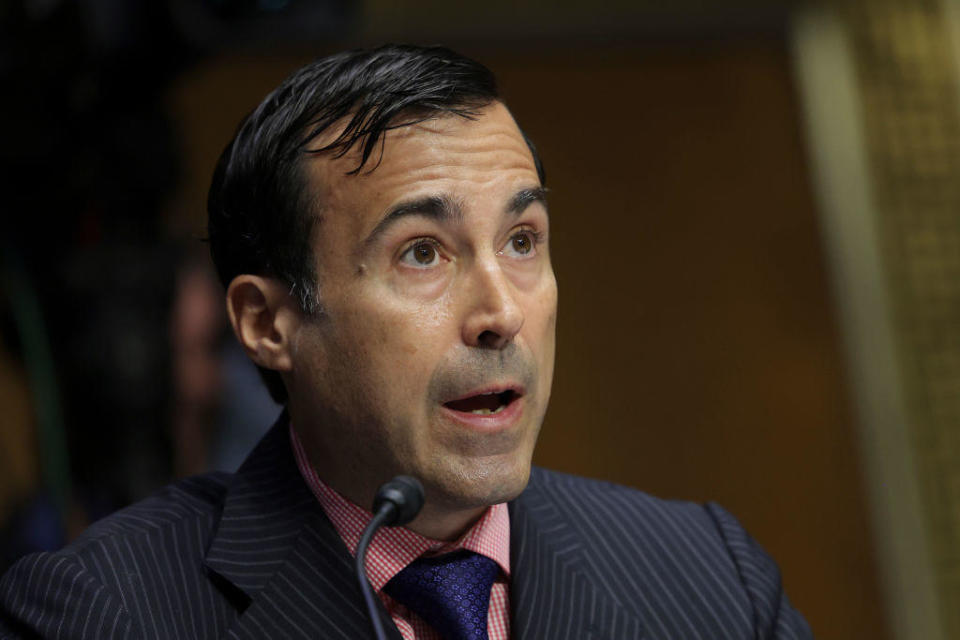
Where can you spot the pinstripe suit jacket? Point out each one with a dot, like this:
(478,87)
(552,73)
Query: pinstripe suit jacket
(252,555)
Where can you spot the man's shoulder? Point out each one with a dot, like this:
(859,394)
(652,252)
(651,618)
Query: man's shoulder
(182,514)
(603,510)
(609,498)
(698,554)
(90,587)
(187,502)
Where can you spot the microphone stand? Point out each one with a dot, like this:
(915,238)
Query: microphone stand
(397,502)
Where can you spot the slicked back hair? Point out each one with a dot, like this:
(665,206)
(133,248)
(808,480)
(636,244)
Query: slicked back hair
(261,211)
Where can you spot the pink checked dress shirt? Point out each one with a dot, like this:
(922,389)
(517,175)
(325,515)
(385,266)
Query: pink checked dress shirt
(393,548)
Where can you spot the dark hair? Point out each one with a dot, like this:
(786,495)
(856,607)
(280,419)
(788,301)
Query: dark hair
(260,211)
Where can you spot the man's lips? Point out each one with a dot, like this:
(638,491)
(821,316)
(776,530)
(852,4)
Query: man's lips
(486,402)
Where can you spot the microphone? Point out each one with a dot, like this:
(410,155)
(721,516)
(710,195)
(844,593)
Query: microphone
(397,502)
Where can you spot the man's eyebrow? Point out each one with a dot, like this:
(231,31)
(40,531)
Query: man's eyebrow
(525,197)
(441,208)
(438,208)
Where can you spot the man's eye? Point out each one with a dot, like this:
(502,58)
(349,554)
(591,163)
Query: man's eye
(421,254)
(520,244)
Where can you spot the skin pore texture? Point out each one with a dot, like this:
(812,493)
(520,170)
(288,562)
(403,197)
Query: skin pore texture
(433,354)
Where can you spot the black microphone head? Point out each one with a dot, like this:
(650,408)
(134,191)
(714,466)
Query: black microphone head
(406,494)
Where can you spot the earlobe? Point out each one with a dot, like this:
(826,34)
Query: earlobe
(260,310)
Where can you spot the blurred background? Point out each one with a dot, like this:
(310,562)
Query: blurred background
(755,231)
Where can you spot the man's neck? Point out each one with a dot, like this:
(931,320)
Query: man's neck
(437,520)
(444,524)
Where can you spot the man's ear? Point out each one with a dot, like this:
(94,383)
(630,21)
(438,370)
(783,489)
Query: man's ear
(264,317)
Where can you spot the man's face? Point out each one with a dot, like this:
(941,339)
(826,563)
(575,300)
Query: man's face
(434,353)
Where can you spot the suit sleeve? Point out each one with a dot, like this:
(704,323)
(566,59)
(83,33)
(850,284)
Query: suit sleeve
(774,617)
(51,595)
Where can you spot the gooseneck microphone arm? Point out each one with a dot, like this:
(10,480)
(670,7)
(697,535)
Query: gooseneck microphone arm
(397,502)
(380,518)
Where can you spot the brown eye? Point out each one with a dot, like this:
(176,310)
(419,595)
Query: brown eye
(521,243)
(422,254)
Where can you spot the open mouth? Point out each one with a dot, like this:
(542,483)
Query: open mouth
(484,404)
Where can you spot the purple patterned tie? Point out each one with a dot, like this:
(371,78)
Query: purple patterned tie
(450,592)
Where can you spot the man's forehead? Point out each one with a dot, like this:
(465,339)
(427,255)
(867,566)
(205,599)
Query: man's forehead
(432,147)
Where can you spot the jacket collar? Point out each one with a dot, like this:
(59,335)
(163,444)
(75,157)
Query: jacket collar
(264,512)
(278,557)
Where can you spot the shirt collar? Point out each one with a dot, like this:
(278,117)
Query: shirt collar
(393,548)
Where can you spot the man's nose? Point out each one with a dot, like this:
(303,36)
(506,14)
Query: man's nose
(494,316)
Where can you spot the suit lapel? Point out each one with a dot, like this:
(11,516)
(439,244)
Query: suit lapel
(551,593)
(278,557)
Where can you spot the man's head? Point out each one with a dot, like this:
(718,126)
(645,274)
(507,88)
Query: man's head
(380,224)
(261,209)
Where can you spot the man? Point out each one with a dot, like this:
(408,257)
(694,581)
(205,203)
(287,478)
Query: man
(380,224)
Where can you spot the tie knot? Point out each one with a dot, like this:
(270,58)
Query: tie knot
(450,592)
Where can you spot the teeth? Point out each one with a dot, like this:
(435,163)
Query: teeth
(486,412)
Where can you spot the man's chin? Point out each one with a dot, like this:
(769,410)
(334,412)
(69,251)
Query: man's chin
(479,488)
